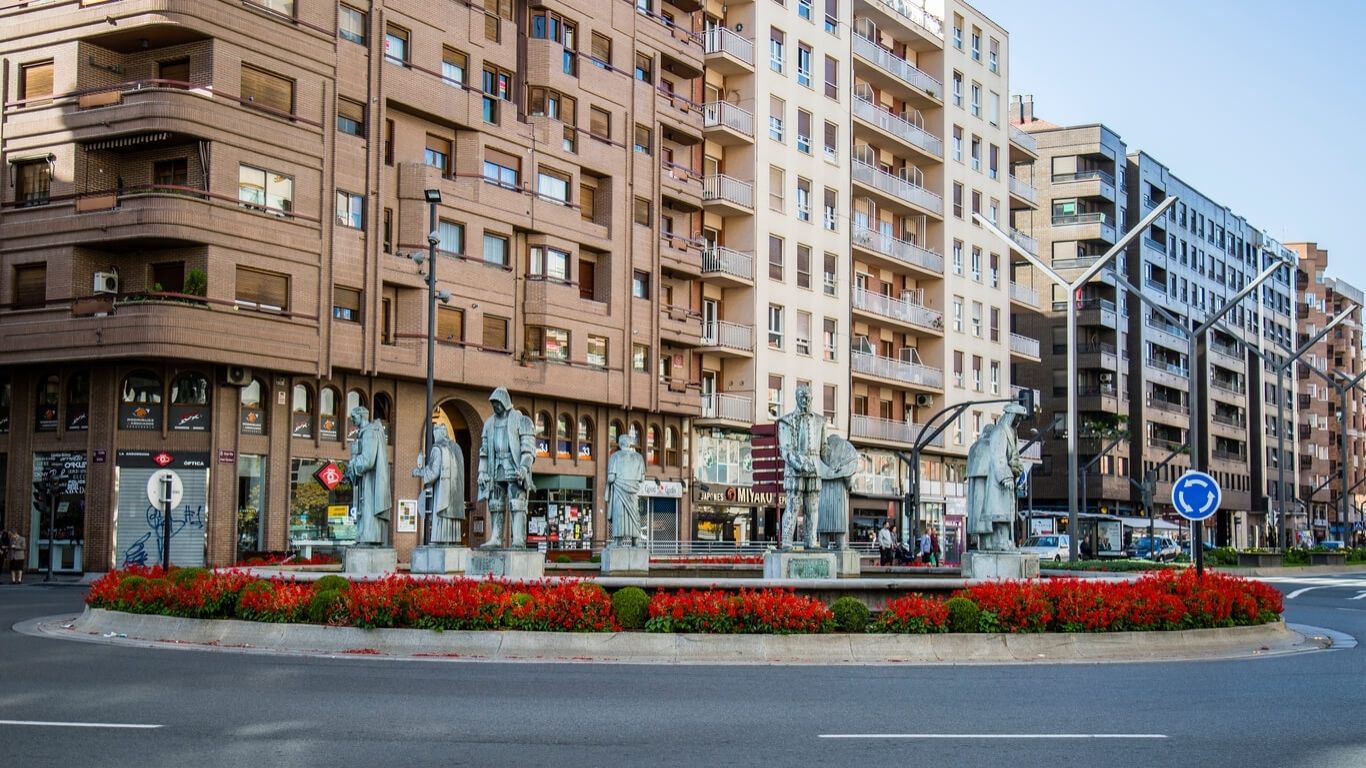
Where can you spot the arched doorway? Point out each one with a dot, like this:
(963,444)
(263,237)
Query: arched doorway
(463,423)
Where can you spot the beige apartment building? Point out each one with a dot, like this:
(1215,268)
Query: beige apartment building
(206,232)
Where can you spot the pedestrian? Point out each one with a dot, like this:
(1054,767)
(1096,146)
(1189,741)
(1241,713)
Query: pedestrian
(884,544)
(4,550)
(925,547)
(934,547)
(18,548)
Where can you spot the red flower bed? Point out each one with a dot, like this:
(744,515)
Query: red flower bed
(769,611)
(319,559)
(710,560)
(914,614)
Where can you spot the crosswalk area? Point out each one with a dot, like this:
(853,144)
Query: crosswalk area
(1303,584)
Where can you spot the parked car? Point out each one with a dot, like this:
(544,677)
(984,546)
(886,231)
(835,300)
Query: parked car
(1154,548)
(1330,544)
(1053,546)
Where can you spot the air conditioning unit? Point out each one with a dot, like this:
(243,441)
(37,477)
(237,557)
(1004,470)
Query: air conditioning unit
(106,282)
(237,375)
(924,401)
(1106,378)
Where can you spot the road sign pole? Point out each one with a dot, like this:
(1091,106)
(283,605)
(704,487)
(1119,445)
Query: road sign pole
(166,485)
(51,491)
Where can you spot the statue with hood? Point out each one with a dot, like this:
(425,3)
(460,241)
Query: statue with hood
(507,450)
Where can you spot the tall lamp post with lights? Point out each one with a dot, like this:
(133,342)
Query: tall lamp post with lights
(433,197)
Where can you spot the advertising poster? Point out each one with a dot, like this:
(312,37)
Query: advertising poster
(145,416)
(189,418)
(407,515)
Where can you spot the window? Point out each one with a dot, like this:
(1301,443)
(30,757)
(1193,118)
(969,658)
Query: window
(958,143)
(495,332)
(266,89)
(976,44)
(169,276)
(351,24)
(266,291)
(775,326)
(494,10)
(396,44)
(976,204)
(265,190)
(830,338)
(548,262)
(775,258)
(495,249)
(803,339)
(994,108)
(502,169)
(438,154)
(35,83)
(832,78)
(995,270)
(454,67)
(451,237)
(597,351)
(640,357)
(388,316)
(600,123)
(804,64)
(803,199)
(777,110)
(346,304)
(34,183)
(832,17)
(30,286)
(388,142)
(976,263)
(497,86)
(958,89)
(547,343)
(171,173)
(803,131)
(958,200)
(552,185)
(776,43)
(831,276)
(351,117)
(977,319)
(450,325)
(640,284)
(804,9)
(994,56)
(976,153)
(976,100)
(775,396)
(994,161)
(958,257)
(601,51)
(831,212)
(977,373)
(640,211)
(645,68)
(958,369)
(301,412)
(641,142)
(994,211)
(831,141)
(777,183)
(350,210)
(958,314)
(995,324)
(958,32)
(282,7)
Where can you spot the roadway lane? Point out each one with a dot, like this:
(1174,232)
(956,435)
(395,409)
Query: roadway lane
(222,709)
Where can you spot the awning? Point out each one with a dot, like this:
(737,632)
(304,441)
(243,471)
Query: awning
(129,141)
(1142,522)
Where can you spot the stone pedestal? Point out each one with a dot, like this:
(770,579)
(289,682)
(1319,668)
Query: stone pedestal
(362,561)
(1000,565)
(440,558)
(506,563)
(625,561)
(847,564)
(801,564)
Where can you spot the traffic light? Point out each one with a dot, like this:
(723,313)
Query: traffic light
(1027,400)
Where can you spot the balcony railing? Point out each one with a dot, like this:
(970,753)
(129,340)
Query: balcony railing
(720,333)
(897,309)
(1229,386)
(874,428)
(723,260)
(897,370)
(1167,405)
(1024,345)
(1023,139)
(723,113)
(1079,262)
(901,250)
(897,67)
(1097,217)
(718,405)
(728,189)
(898,187)
(722,40)
(1160,324)
(917,16)
(1153,244)
(1227,455)
(1026,242)
(1162,365)
(1032,452)
(897,126)
(1022,188)
(1087,175)
(1165,444)
(1229,419)
(1227,350)
(1024,294)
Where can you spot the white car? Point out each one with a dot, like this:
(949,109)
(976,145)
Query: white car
(1052,546)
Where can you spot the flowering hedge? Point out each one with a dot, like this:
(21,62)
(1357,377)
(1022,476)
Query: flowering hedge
(709,560)
(765,612)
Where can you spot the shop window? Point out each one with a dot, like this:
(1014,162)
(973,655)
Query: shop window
(251,409)
(585,438)
(141,409)
(190,403)
(310,523)
(543,435)
(564,442)
(615,429)
(384,413)
(49,397)
(354,399)
(78,403)
(251,496)
(651,445)
(301,412)
(328,419)
(6,395)
(638,433)
(671,456)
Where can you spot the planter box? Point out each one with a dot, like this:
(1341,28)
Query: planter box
(1259,559)
(1327,558)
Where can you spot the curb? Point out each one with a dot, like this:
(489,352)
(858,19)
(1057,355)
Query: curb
(98,625)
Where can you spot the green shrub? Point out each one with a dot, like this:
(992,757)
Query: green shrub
(595,559)
(850,615)
(631,606)
(183,576)
(563,559)
(255,587)
(1222,556)
(196,282)
(327,606)
(964,615)
(331,583)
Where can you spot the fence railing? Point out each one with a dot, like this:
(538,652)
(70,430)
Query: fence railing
(720,333)
(728,189)
(723,40)
(719,405)
(732,116)
(897,67)
(898,187)
(898,309)
(901,250)
(897,370)
(720,259)
(1024,345)
(1024,294)
(1023,189)
(884,118)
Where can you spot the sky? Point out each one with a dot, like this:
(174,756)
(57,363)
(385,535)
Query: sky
(1259,105)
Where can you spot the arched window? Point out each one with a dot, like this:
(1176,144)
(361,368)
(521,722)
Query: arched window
(564,439)
(49,398)
(384,412)
(78,403)
(671,456)
(190,403)
(585,438)
(252,416)
(652,445)
(543,435)
(301,411)
(328,420)
(638,433)
(615,429)
(5,396)
(354,399)
(141,401)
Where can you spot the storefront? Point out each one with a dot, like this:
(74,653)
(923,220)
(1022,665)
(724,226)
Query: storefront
(560,512)
(61,529)
(660,502)
(140,525)
(319,518)
(735,513)
(875,495)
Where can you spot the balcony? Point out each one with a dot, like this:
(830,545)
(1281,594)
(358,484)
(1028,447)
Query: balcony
(1024,191)
(894,125)
(720,336)
(1237,457)
(1228,386)
(1024,346)
(892,308)
(888,430)
(929,27)
(898,188)
(737,409)
(727,52)
(1097,222)
(900,251)
(727,123)
(1165,366)
(1025,241)
(1229,419)
(1175,331)
(729,194)
(901,71)
(1024,141)
(1025,295)
(723,265)
(1152,244)
(899,372)
(1229,351)
(1167,406)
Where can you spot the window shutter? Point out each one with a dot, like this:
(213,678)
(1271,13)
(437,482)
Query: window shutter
(495,332)
(36,80)
(346,298)
(264,289)
(266,89)
(450,324)
(602,48)
(351,110)
(30,285)
(600,123)
(502,158)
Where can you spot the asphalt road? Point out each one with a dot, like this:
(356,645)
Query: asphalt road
(226,709)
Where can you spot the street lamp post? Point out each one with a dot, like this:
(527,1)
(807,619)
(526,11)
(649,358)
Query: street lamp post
(1073,521)
(433,197)
(1086,470)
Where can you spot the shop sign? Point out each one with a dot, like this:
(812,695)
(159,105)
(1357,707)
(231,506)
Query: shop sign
(227,457)
(4,423)
(145,416)
(99,455)
(301,424)
(189,418)
(736,495)
(253,421)
(328,427)
(662,489)
(329,475)
(77,417)
(407,515)
(47,419)
(338,512)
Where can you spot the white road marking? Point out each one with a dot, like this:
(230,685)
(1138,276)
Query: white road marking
(993,736)
(52,724)
(1299,592)
(1360,596)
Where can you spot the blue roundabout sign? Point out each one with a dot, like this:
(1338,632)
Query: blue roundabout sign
(1196,496)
